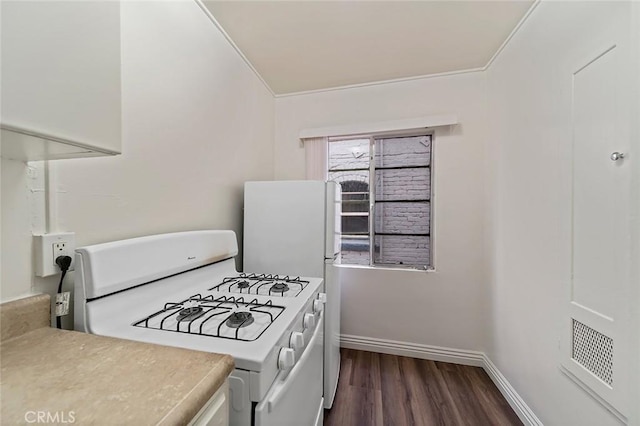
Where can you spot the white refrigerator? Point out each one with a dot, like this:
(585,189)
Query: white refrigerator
(293,228)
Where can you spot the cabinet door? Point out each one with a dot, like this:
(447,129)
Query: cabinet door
(61,70)
(216,410)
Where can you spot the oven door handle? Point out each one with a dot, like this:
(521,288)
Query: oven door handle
(278,392)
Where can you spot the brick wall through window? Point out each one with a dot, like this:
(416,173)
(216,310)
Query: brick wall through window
(401,199)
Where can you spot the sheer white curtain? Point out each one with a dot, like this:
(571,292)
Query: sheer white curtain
(316,153)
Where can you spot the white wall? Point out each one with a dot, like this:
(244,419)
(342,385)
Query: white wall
(442,308)
(16,230)
(529,201)
(197,123)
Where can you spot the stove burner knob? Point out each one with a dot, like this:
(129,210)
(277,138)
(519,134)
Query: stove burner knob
(286,358)
(322,297)
(296,341)
(309,321)
(317,306)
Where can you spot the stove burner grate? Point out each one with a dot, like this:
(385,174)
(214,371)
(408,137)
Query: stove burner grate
(267,284)
(243,284)
(191,313)
(214,317)
(240,319)
(279,288)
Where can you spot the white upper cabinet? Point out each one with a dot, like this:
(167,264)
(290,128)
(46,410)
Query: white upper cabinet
(60,79)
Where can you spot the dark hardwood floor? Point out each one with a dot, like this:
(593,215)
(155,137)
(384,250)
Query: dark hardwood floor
(388,390)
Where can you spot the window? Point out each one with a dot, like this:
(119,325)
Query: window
(386,199)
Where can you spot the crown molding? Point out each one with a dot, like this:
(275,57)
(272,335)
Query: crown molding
(233,45)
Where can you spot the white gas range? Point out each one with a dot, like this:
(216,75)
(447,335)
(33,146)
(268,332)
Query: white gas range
(182,289)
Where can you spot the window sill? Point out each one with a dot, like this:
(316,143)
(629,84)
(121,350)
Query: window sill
(387,268)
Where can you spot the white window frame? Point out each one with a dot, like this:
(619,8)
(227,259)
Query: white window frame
(389,135)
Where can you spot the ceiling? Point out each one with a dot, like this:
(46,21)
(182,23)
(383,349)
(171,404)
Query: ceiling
(308,45)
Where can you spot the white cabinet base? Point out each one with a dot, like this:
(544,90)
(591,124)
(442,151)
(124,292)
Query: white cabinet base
(216,411)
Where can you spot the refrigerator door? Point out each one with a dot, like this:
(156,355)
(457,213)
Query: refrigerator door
(331,330)
(284,227)
(334,220)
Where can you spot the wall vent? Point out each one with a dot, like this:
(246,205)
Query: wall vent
(593,350)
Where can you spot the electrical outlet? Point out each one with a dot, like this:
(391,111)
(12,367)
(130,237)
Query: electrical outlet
(61,248)
(47,247)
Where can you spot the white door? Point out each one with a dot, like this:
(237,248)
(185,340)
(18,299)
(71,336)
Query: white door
(595,350)
(332,288)
(284,227)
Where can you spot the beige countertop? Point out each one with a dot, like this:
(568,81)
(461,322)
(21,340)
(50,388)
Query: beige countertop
(95,379)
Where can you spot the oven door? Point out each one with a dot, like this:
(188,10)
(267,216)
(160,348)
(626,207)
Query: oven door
(296,399)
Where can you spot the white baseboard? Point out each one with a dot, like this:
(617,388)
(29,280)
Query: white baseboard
(524,412)
(414,350)
(455,356)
